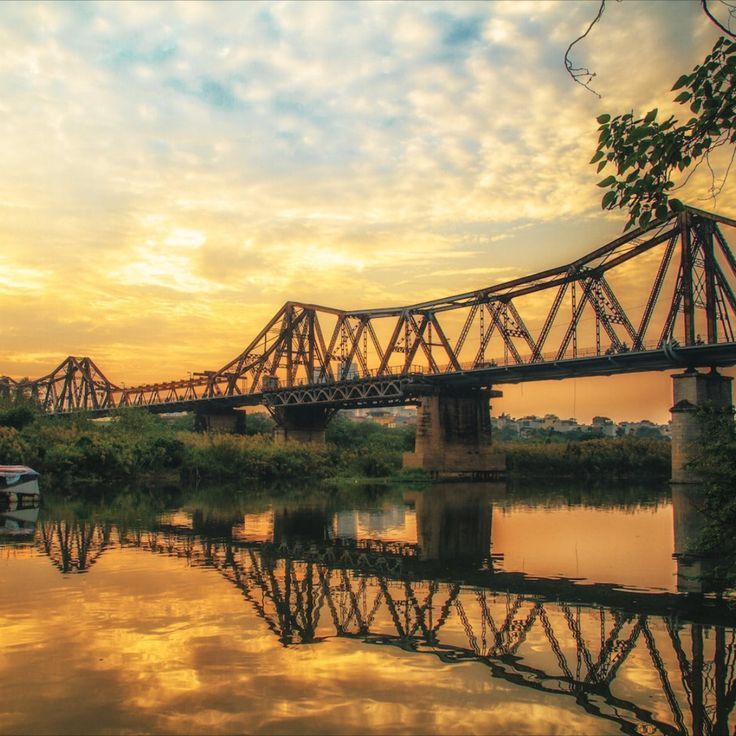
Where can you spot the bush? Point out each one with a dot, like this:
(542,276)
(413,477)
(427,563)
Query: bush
(13,450)
(612,458)
(17,416)
(233,457)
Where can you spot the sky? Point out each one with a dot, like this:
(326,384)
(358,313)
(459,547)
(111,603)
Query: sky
(172,173)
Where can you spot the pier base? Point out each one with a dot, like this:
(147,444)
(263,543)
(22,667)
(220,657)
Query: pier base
(229,421)
(454,436)
(692,390)
(305,424)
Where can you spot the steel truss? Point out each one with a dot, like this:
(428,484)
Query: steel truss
(581,318)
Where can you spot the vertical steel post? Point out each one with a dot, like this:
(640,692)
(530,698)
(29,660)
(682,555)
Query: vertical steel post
(310,347)
(705,231)
(289,341)
(575,327)
(686,264)
(483,332)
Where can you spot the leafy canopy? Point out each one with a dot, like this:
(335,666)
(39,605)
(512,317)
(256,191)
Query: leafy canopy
(645,153)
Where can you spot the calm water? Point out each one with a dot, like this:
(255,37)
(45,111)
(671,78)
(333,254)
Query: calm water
(454,609)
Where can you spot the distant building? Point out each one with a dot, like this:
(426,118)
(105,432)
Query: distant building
(605,426)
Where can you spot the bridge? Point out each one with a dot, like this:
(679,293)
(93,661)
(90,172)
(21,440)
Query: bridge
(658,298)
(551,636)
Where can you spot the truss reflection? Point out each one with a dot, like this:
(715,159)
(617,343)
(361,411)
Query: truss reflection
(308,585)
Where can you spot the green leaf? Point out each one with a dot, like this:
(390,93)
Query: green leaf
(650,116)
(607,182)
(683,97)
(598,156)
(602,119)
(681,82)
(676,205)
(601,166)
(608,200)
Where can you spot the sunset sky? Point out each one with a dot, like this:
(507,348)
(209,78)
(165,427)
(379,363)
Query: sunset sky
(173,173)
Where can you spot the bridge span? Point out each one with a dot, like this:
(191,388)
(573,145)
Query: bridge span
(655,299)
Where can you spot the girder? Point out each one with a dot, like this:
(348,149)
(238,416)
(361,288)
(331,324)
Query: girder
(632,296)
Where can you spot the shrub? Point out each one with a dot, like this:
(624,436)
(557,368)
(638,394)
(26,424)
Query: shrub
(13,450)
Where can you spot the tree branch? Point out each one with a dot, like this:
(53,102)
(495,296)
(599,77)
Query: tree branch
(715,20)
(577,72)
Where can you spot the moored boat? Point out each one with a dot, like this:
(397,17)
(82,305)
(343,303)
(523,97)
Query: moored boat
(19,486)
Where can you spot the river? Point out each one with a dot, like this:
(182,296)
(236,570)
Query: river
(453,609)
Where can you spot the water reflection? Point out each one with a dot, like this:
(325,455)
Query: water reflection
(419,576)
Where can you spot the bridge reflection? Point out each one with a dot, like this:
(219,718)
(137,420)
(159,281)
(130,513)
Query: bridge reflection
(647,663)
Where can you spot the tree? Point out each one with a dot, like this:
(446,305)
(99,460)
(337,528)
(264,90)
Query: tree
(644,154)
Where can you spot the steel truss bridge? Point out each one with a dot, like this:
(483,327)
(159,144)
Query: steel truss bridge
(654,299)
(381,594)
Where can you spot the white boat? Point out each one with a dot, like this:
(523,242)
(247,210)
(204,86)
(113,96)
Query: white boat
(19,485)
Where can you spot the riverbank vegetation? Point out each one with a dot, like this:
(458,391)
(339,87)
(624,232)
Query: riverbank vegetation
(133,446)
(591,459)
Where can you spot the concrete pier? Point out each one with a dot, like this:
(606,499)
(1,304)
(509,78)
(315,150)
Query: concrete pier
(454,435)
(229,421)
(305,423)
(692,390)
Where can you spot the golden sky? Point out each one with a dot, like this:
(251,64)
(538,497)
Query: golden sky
(173,173)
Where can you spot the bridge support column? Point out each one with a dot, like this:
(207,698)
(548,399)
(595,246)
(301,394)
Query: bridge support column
(302,423)
(224,420)
(691,390)
(454,435)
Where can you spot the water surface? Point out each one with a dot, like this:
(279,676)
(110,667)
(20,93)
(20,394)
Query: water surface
(453,609)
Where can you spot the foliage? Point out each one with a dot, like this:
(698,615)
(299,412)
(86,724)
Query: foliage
(366,448)
(259,423)
(77,451)
(234,457)
(80,456)
(13,449)
(645,153)
(17,416)
(592,459)
(715,463)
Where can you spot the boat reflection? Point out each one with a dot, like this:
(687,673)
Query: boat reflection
(312,573)
(18,523)
(18,513)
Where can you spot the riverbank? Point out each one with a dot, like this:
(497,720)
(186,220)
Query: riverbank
(77,453)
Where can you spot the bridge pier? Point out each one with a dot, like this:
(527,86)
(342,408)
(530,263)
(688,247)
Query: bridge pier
(230,421)
(692,390)
(305,423)
(454,435)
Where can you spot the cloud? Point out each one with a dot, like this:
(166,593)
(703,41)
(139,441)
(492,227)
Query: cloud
(357,154)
